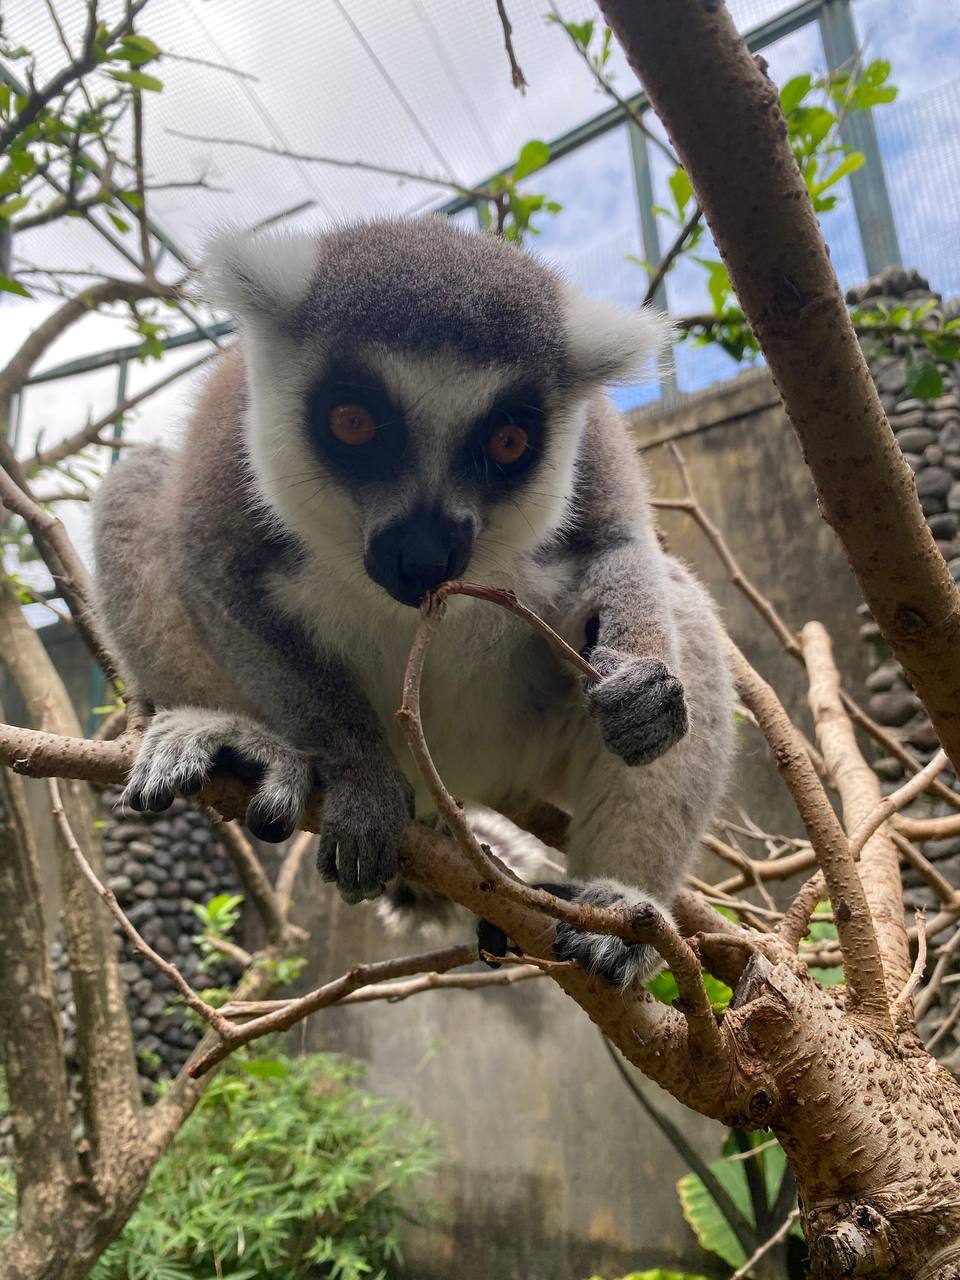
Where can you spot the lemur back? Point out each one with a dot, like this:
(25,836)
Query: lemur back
(260,582)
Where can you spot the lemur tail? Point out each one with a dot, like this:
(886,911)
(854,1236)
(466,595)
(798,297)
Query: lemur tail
(406,908)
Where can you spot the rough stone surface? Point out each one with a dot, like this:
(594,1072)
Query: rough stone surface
(158,885)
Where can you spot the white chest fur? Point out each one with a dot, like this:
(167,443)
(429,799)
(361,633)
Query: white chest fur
(499,711)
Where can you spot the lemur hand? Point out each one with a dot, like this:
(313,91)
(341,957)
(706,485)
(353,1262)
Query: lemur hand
(365,812)
(639,704)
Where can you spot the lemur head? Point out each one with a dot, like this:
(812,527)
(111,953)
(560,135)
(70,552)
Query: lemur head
(417,394)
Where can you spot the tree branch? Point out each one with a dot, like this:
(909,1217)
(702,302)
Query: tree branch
(768,236)
(31,1043)
(109,1085)
(859,790)
(858,940)
(82,65)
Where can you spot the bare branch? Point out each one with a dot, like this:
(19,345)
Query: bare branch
(91,433)
(859,790)
(691,505)
(779,1235)
(902,1009)
(32,1042)
(210,1015)
(517,78)
(81,66)
(363,166)
(68,570)
(670,257)
(256,885)
(858,939)
(896,801)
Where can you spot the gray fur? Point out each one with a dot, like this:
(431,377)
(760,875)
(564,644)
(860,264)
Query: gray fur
(244,573)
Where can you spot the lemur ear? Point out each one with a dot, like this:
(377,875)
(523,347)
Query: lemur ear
(607,343)
(259,275)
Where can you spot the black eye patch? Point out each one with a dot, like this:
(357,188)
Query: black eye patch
(505,444)
(359,456)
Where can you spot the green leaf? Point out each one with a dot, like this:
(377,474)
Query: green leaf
(14,286)
(718,283)
(22,163)
(533,155)
(681,189)
(944,346)
(664,988)
(138,80)
(9,207)
(850,164)
(117,221)
(708,1224)
(266,1068)
(924,380)
(794,92)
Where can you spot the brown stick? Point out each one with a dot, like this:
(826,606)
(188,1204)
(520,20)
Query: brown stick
(858,940)
(859,791)
(894,802)
(193,1001)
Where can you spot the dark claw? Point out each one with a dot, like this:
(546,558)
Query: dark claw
(248,771)
(270,829)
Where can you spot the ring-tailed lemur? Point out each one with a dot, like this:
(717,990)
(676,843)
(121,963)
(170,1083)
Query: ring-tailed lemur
(409,403)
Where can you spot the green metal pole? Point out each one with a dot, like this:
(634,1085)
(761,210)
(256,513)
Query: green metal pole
(871,200)
(650,239)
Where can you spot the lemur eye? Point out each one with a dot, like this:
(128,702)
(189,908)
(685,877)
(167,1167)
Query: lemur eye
(352,424)
(508,445)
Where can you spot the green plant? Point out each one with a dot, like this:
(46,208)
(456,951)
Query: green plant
(659,1274)
(287,1169)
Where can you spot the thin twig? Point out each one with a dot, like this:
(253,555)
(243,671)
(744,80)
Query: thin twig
(901,1007)
(211,1016)
(897,800)
(517,78)
(670,257)
(924,1002)
(778,1236)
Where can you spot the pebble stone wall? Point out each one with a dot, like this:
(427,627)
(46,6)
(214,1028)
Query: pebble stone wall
(159,866)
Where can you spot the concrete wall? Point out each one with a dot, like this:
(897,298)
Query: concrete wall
(550,1168)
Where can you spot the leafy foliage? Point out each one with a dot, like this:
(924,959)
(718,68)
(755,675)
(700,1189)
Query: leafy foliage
(659,1274)
(814,109)
(933,341)
(55,142)
(508,209)
(286,1170)
(711,1228)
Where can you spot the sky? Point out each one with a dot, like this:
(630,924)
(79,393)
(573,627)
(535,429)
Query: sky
(423,86)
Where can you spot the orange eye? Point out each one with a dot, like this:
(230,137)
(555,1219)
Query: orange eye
(508,445)
(352,424)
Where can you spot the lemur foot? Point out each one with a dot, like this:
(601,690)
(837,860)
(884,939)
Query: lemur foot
(182,748)
(617,962)
(640,706)
(364,817)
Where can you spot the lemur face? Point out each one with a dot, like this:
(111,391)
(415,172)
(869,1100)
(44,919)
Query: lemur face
(418,394)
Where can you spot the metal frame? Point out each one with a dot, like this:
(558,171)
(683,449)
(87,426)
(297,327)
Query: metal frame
(871,199)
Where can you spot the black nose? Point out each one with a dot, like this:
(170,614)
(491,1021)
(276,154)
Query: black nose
(410,557)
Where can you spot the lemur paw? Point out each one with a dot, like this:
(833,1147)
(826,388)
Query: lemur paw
(182,748)
(617,962)
(640,706)
(362,824)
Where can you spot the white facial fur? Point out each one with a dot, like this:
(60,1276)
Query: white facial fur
(263,280)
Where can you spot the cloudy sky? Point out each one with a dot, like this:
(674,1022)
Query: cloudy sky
(421,85)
